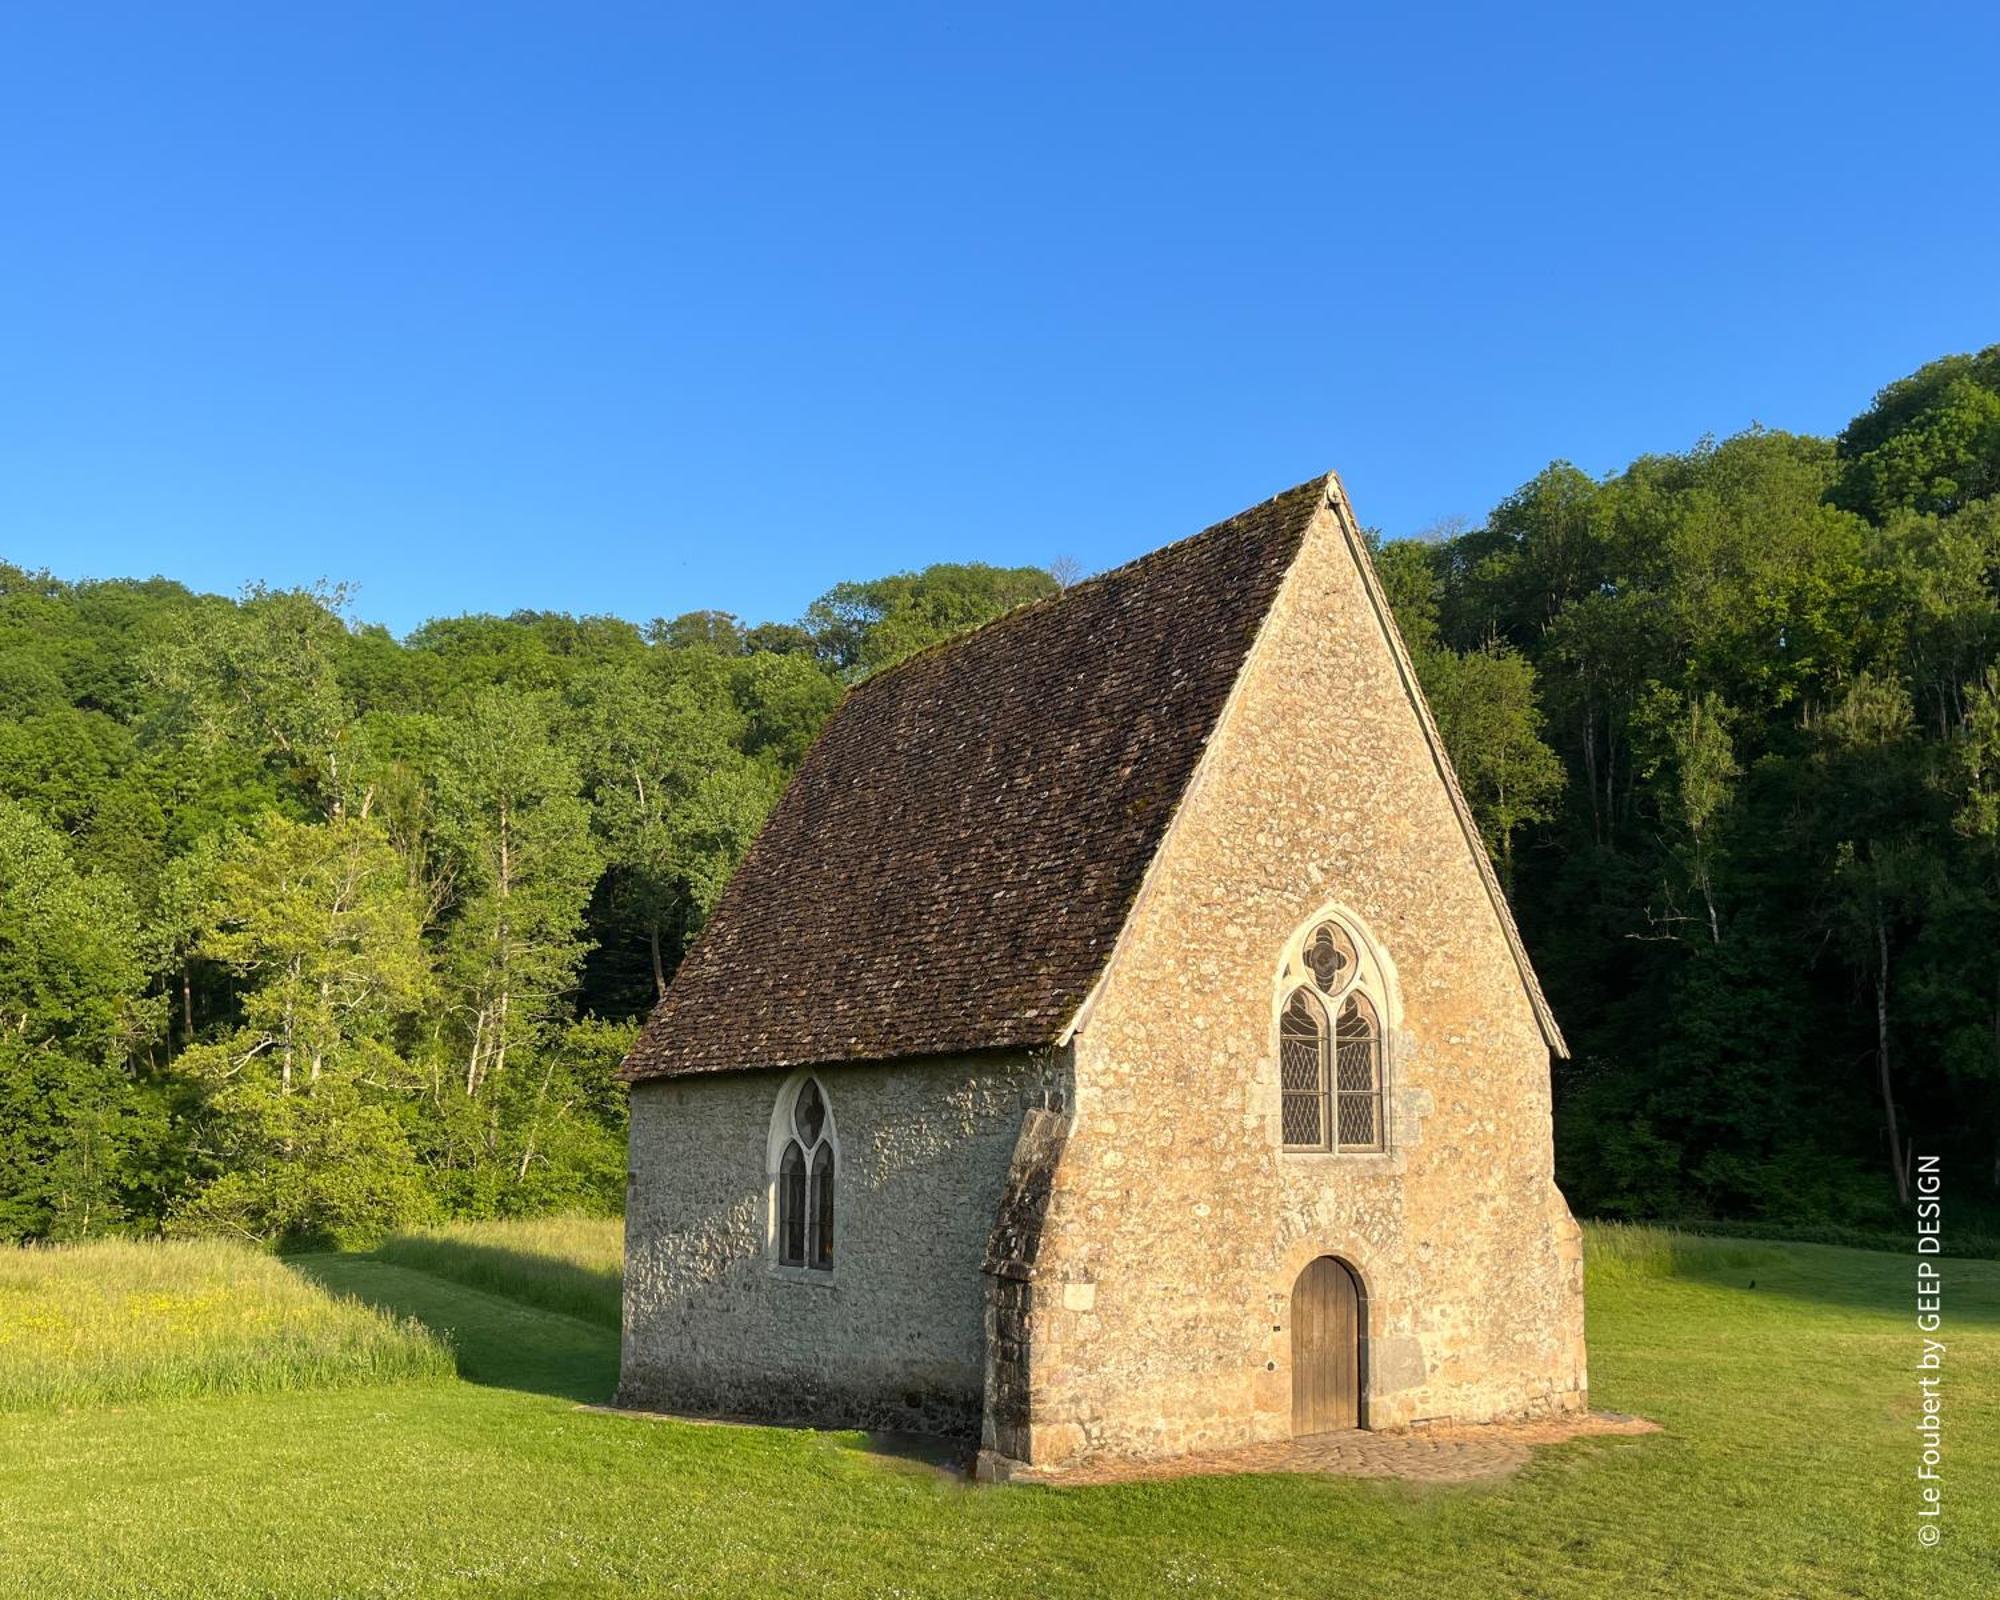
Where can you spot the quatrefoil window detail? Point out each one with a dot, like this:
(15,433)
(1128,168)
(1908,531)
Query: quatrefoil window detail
(1329,955)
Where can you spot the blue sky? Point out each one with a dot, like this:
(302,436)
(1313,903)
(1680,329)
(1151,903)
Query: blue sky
(638,309)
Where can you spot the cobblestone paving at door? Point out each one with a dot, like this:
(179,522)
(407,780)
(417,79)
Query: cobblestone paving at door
(1421,1455)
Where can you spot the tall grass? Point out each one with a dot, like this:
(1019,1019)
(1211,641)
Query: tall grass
(123,1320)
(1628,1250)
(571,1264)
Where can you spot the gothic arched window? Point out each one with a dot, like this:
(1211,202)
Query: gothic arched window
(805,1178)
(1332,1073)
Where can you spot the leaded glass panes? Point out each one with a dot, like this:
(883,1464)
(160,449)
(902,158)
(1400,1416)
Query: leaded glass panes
(1305,1127)
(1331,1088)
(1300,1036)
(1354,1040)
(792,1206)
(1302,1071)
(1359,1127)
(822,1207)
(1358,1076)
(805,1182)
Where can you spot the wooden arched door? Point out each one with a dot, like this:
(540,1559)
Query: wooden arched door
(1326,1348)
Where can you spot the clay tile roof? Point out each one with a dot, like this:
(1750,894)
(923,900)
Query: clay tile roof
(953,862)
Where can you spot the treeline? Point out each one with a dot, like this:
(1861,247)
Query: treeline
(1731,719)
(308,932)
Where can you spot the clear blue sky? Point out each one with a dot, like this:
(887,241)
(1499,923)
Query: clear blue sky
(639,309)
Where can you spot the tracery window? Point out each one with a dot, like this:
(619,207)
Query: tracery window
(1331,1067)
(805,1180)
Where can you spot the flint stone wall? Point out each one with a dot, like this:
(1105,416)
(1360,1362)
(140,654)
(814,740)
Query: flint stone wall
(895,1335)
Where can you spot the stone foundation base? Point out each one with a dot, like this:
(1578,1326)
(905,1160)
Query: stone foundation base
(941,1412)
(1435,1452)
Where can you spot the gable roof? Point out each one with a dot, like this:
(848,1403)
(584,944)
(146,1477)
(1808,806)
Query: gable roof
(954,861)
(1378,600)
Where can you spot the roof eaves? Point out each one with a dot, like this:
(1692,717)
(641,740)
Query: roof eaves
(1468,825)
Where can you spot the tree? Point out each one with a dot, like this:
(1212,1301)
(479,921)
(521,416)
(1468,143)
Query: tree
(70,1013)
(1874,815)
(512,821)
(322,929)
(859,628)
(673,796)
(1690,750)
(265,673)
(1929,443)
(1484,702)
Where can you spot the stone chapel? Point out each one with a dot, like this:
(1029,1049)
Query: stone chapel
(1115,1045)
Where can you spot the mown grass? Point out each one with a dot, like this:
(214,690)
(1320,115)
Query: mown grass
(1785,1471)
(571,1264)
(122,1320)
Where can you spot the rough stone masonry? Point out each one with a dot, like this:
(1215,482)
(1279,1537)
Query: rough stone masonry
(1029,915)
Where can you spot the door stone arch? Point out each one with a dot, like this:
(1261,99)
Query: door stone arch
(1329,1335)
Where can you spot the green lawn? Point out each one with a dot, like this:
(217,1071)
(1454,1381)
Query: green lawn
(1785,1469)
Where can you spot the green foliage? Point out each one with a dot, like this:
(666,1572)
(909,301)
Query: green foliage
(1930,442)
(70,1012)
(1763,883)
(263,676)
(69,944)
(310,934)
(859,628)
(1484,700)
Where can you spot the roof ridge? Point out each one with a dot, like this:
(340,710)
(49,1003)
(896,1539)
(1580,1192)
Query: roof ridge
(955,856)
(1028,607)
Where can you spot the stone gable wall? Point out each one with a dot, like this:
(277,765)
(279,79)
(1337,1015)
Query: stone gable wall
(895,1336)
(1176,1225)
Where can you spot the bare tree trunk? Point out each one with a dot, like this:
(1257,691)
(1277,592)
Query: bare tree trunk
(1590,771)
(505,885)
(187,1000)
(541,1100)
(1708,899)
(1610,779)
(472,1060)
(659,972)
(1882,1058)
(325,987)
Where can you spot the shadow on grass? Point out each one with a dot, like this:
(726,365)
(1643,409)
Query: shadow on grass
(497,1341)
(1832,1276)
(550,1282)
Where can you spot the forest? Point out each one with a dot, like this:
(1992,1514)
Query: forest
(309,933)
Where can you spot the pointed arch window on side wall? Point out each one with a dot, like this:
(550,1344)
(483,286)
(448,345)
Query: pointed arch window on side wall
(1331,1067)
(805,1181)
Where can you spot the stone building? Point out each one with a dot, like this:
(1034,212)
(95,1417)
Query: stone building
(1115,1045)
